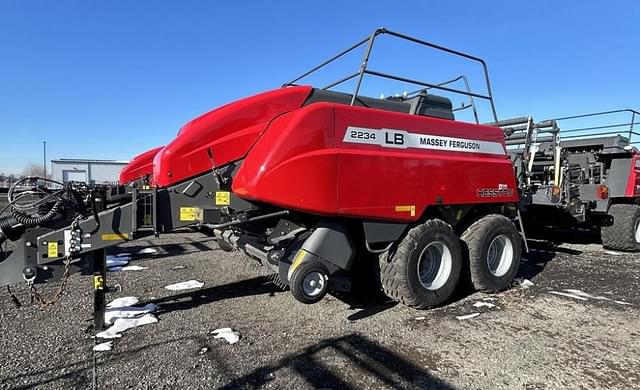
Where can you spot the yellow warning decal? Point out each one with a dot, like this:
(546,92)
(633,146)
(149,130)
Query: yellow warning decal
(407,209)
(98,282)
(52,249)
(113,236)
(223,198)
(188,213)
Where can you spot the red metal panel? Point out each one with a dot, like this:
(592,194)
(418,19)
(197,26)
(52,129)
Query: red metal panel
(633,185)
(293,164)
(139,167)
(301,162)
(388,183)
(226,132)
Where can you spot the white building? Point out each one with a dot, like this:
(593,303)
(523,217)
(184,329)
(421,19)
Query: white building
(87,171)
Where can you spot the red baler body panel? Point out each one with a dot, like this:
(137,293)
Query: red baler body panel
(633,185)
(141,166)
(305,161)
(223,135)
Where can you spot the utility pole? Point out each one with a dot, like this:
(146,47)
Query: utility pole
(44,158)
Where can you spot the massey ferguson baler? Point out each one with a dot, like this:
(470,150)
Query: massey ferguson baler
(309,182)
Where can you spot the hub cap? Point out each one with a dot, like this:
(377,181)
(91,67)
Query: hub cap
(434,265)
(500,255)
(313,284)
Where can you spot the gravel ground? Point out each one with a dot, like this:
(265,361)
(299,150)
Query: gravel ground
(532,339)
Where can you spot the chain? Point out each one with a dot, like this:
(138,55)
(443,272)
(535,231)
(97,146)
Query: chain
(74,247)
(44,303)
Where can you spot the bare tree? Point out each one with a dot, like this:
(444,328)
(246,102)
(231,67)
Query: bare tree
(33,169)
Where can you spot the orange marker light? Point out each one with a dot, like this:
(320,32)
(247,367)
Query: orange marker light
(602,192)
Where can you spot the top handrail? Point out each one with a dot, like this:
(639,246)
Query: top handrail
(365,62)
(630,132)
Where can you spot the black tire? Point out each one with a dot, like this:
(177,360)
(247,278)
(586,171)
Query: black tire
(621,235)
(399,267)
(483,273)
(297,282)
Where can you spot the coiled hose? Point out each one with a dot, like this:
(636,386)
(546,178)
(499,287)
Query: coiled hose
(29,221)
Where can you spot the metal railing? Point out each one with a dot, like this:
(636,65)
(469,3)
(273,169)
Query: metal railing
(364,70)
(588,131)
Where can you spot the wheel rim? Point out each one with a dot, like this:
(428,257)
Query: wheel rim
(500,255)
(313,284)
(434,265)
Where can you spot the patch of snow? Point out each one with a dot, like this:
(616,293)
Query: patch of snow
(122,324)
(133,268)
(117,261)
(524,283)
(147,251)
(483,304)
(122,302)
(614,253)
(228,334)
(467,316)
(189,284)
(112,314)
(564,294)
(583,296)
(102,347)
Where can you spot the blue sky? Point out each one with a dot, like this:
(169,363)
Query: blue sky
(113,79)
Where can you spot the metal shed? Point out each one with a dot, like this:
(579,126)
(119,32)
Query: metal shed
(88,171)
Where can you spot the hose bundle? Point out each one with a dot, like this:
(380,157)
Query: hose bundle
(36,206)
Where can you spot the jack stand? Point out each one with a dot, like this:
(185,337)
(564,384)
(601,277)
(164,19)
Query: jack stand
(99,303)
(99,289)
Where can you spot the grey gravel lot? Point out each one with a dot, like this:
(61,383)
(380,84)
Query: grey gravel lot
(532,339)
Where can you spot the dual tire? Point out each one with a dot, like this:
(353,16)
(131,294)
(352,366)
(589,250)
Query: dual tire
(425,268)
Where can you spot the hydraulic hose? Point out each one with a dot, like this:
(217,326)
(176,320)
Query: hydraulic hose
(29,221)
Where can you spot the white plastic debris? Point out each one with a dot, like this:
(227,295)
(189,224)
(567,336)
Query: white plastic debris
(133,268)
(524,283)
(203,350)
(484,304)
(177,267)
(189,284)
(420,318)
(467,316)
(122,324)
(147,251)
(123,301)
(228,334)
(102,347)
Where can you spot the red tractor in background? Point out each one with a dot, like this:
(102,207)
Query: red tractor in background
(310,182)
